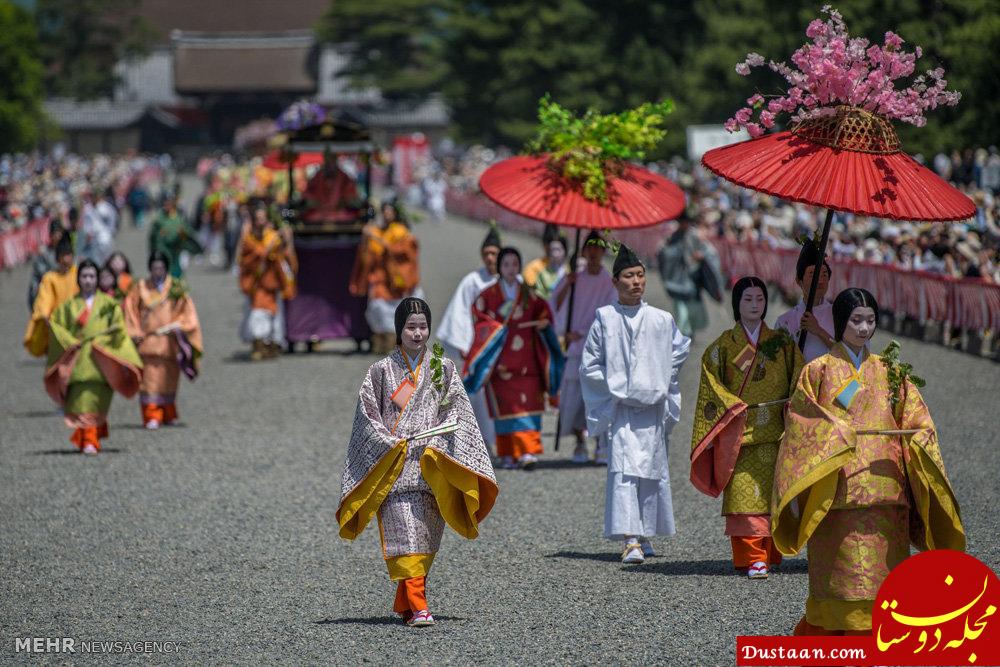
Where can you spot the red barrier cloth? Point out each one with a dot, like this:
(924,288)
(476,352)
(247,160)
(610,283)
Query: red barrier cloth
(19,245)
(968,303)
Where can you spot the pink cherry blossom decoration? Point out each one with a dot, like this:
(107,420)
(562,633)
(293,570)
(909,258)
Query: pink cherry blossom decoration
(836,69)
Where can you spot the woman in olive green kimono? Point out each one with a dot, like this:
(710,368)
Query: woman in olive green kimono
(90,357)
(747,374)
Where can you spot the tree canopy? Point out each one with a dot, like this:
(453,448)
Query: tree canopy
(494,59)
(21,116)
(82,42)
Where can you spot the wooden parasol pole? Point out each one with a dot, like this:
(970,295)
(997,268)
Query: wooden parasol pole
(814,283)
(569,320)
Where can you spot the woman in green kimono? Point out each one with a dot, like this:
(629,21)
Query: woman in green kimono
(859,476)
(171,234)
(747,375)
(90,357)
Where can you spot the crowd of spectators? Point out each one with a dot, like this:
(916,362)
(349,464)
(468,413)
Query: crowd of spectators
(60,186)
(965,249)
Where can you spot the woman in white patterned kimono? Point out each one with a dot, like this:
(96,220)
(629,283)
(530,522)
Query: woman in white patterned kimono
(416,460)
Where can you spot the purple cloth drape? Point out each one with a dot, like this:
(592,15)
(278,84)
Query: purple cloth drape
(324,307)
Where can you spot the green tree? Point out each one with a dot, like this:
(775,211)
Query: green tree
(505,55)
(395,45)
(83,40)
(960,35)
(493,59)
(22,120)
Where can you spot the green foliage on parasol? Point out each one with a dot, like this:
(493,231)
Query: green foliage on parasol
(587,150)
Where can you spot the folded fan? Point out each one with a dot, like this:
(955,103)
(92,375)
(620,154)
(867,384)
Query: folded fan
(167,328)
(449,426)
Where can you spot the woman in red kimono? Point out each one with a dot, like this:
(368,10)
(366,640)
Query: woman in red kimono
(517,356)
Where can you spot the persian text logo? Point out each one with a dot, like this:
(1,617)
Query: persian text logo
(935,608)
(73,645)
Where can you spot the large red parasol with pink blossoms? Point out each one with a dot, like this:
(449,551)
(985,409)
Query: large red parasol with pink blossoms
(841,151)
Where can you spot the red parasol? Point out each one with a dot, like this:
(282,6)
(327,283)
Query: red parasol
(850,161)
(527,186)
(278,159)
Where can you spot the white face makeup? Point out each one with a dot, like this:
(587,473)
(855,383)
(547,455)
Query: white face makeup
(88,280)
(860,327)
(414,334)
(752,305)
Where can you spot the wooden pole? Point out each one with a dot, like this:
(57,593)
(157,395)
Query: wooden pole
(569,318)
(814,283)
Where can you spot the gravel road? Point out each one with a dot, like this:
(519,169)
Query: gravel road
(220,533)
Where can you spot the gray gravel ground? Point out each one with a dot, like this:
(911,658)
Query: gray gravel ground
(220,533)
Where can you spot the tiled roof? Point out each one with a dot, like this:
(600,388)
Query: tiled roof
(165,16)
(430,112)
(93,115)
(243,62)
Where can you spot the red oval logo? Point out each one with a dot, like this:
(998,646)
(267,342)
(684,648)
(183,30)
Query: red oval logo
(938,608)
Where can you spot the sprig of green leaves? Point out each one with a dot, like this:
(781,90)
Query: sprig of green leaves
(898,372)
(817,236)
(607,242)
(437,371)
(588,150)
(178,289)
(775,344)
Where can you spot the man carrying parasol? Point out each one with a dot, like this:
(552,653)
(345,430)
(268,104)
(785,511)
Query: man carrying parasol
(595,288)
(580,175)
(458,329)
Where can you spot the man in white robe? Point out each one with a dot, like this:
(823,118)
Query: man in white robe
(456,331)
(629,371)
(594,289)
(100,221)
